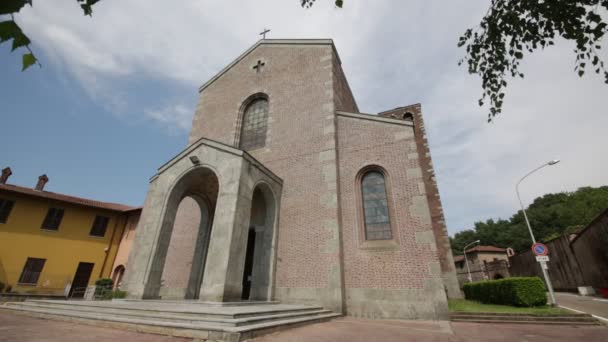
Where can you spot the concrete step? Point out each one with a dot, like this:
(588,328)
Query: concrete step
(228,320)
(200,312)
(231,327)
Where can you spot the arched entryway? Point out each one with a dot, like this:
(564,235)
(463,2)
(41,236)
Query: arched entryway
(187,252)
(117,275)
(257,270)
(178,266)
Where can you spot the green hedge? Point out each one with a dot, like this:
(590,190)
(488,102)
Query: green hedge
(524,291)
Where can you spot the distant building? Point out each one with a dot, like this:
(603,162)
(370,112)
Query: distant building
(485,263)
(55,244)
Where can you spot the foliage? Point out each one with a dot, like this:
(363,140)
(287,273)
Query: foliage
(308,3)
(104,282)
(1,286)
(549,215)
(463,305)
(103,286)
(524,291)
(512,28)
(113,294)
(9,29)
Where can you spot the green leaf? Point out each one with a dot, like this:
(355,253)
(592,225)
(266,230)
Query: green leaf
(8,30)
(339,3)
(20,40)
(12,6)
(28,61)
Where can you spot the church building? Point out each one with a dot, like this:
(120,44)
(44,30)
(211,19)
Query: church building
(287,192)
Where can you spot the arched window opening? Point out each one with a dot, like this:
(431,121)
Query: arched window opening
(375,207)
(408,116)
(254,125)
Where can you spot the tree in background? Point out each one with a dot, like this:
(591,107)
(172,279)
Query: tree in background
(550,216)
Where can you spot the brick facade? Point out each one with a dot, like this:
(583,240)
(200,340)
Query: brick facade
(317,143)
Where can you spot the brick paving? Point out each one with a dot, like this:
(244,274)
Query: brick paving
(22,328)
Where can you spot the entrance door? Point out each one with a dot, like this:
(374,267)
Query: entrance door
(81,279)
(248,264)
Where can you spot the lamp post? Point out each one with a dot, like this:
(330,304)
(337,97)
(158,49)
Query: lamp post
(543,264)
(466,261)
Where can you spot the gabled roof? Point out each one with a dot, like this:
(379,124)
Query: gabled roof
(271,42)
(67,198)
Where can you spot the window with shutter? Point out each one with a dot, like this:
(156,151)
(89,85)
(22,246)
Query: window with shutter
(52,219)
(31,271)
(5,209)
(99,226)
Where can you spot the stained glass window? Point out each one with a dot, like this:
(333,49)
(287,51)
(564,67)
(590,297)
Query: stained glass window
(253,131)
(375,206)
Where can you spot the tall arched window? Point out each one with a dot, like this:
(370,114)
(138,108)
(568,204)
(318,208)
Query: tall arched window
(254,124)
(375,207)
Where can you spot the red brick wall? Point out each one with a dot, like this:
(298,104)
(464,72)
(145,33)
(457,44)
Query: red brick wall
(393,148)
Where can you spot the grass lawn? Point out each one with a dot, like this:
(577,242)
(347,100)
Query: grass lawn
(463,305)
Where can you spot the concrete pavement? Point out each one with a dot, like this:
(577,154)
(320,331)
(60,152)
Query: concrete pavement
(591,305)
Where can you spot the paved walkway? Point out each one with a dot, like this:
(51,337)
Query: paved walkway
(21,328)
(353,330)
(591,305)
(25,329)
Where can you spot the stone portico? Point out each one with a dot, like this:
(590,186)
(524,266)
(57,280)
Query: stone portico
(235,195)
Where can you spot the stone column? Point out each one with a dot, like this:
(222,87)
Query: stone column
(144,245)
(226,257)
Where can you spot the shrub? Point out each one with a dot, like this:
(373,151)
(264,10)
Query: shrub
(119,294)
(103,287)
(114,294)
(518,291)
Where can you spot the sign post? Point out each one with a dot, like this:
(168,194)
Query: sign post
(542,256)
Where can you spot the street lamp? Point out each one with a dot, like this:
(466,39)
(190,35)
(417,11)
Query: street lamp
(543,264)
(466,261)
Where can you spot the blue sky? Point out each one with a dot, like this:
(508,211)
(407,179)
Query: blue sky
(116,93)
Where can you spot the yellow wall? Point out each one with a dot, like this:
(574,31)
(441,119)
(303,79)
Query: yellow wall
(21,237)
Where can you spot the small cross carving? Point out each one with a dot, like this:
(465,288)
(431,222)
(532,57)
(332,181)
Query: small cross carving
(258,67)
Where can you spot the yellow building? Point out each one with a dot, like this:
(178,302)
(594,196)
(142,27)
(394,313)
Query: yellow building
(55,244)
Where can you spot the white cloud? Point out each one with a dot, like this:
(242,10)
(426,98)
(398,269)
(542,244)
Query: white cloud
(394,53)
(177,118)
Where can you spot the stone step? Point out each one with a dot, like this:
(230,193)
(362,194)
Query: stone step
(243,328)
(565,319)
(522,322)
(164,316)
(187,312)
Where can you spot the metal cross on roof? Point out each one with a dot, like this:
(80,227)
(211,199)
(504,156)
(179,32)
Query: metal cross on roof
(263,33)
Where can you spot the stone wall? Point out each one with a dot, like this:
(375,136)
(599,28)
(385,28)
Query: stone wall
(591,250)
